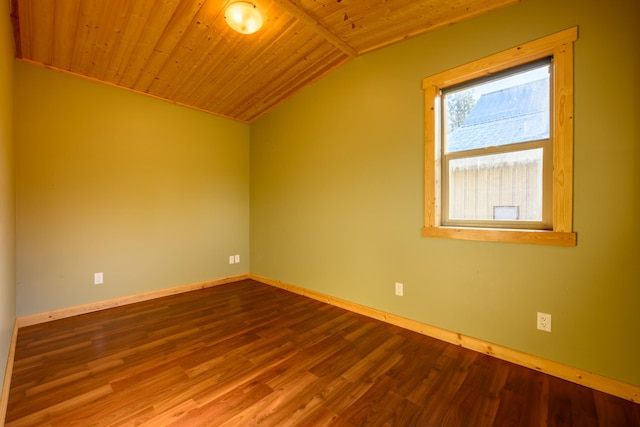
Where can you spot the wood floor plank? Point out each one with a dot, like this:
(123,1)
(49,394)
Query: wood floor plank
(246,353)
(523,389)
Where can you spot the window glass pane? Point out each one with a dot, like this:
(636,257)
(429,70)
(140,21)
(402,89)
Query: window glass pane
(502,111)
(505,186)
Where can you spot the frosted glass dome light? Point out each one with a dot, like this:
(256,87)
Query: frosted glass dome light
(243,17)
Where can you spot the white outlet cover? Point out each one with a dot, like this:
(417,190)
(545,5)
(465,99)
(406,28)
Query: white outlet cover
(237,259)
(544,322)
(232,259)
(98,278)
(399,289)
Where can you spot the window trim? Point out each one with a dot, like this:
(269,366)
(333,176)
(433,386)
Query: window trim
(558,45)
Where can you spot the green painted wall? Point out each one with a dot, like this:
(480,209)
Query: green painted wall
(7,190)
(337,194)
(152,194)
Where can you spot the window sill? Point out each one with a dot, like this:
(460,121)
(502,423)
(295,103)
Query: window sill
(537,237)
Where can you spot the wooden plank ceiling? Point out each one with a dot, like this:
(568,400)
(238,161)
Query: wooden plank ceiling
(182,50)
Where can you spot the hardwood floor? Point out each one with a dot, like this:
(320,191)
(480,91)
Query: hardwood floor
(249,354)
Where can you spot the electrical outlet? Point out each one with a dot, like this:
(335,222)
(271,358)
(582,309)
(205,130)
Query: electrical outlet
(232,259)
(399,289)
(544,322)
(237,259)
(98,278)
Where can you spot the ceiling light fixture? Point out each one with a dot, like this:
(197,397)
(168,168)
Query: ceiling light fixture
(243,17)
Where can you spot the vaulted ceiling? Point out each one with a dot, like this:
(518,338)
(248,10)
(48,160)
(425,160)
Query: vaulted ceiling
(183,51)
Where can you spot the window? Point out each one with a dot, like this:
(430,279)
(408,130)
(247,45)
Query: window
(499,146)
(496,150)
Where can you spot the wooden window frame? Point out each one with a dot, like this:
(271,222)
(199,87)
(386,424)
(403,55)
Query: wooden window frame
(560,47)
